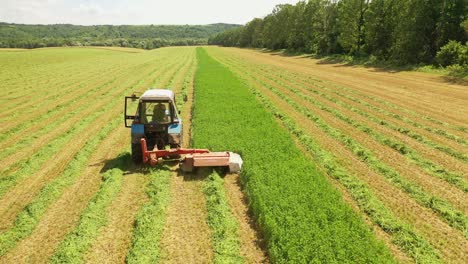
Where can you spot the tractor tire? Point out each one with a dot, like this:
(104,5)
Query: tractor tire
(137,155)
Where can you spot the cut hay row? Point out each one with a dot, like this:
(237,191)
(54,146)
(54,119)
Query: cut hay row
(400,91)
(41,130)
(49,170)
(161,82)
(63,101)
(436,170)
(74,246)
(145,248)
(316,85)
(445,210)
(63,80)
(318,90)
(380,108)
(30,216)
(149,222)
(225,237)
(120,64)
(449,253)
(116,106)
(294,203)
(29,106)
(108,94)
(441,170)
(30,164)
(402,234)
(326,76)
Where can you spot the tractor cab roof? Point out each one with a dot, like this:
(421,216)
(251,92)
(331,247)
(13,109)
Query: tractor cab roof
(158,94)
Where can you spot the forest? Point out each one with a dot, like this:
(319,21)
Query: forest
(135,36)
(401,31)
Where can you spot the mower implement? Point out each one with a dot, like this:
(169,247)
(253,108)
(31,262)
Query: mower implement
(194,158)
(156,132)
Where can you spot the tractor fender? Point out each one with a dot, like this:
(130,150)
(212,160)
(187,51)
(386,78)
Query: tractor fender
(175,133)
(137,132)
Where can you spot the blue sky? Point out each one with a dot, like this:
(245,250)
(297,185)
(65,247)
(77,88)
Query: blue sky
(87,12)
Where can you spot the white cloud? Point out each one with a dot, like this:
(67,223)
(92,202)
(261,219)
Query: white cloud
(88,12)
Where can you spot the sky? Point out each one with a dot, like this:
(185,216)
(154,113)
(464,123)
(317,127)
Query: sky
(136,12)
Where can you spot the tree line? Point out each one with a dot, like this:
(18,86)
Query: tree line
(136,36)
(404,31)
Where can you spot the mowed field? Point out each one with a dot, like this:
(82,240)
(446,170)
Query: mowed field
(342,164)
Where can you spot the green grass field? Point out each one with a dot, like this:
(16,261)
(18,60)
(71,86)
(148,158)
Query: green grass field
(341,164)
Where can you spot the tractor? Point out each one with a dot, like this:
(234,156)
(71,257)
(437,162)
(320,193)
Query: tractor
(156,134)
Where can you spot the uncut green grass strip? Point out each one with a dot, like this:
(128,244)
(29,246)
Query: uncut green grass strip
(225,236)
(404,131)
(26,141)
(28,219)
(28,166)
(444,209)
(149,223)
(427,165)
(77,242)
(402,235)
(293,202)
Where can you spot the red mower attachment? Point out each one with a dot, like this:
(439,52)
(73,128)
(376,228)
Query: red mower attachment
(194,158)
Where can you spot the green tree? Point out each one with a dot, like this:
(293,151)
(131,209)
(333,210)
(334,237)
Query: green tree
(380,27)
(297,22)
(449,25)
(415,34)
(352,15)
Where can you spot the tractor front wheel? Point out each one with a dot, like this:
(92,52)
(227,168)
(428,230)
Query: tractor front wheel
(137,155)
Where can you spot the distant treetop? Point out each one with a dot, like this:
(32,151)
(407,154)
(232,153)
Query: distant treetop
(138,36)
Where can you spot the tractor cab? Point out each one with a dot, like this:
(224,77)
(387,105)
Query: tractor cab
(155,118)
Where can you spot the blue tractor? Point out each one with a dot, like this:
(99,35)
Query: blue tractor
(156,134)
(155,118)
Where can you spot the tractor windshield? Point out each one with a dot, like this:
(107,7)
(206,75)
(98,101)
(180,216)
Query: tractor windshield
(156,112)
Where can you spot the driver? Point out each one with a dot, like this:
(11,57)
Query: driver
(159,113)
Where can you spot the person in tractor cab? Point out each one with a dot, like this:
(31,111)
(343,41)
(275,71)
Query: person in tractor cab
(159,113)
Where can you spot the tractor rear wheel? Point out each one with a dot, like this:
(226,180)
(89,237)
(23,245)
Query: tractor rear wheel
(137,155)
